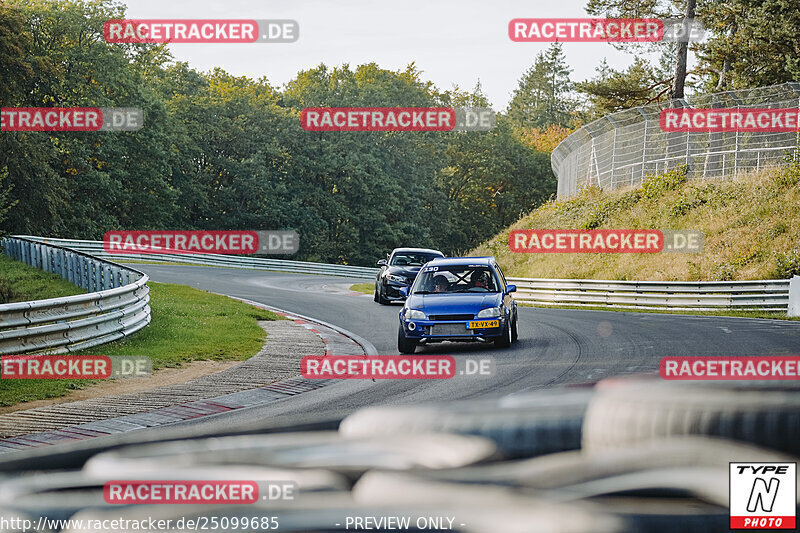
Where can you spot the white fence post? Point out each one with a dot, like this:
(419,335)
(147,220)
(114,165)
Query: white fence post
(794,296)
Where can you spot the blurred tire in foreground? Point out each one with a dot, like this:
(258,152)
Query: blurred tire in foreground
(630,410)
(523,425)
(320,449)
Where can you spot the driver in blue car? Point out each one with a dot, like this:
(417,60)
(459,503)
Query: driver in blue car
(479,280)
(440,283)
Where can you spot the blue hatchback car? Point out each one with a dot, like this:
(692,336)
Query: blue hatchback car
(463,299)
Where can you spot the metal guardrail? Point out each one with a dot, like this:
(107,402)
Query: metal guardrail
(116,306)
(766,295)
(622,148)
(762,295)
(95,248)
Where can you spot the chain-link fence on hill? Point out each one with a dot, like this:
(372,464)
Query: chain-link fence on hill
(622,148)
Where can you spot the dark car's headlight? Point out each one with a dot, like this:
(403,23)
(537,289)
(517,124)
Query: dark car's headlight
(396,279)
(415,314)
(491,312)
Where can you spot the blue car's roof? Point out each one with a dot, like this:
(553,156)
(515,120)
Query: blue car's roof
(462,261)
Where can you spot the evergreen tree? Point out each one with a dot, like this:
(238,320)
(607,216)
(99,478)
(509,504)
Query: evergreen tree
(543,96)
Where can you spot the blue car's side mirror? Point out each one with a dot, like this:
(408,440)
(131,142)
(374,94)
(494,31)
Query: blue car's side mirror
(404,291)
(382,262)
(511,288)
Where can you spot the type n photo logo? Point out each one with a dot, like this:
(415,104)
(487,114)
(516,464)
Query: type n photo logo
(763,495)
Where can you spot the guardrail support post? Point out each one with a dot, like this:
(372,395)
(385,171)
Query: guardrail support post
(613,155)
(58,263)
(71,277)
(86,280)
(794,296)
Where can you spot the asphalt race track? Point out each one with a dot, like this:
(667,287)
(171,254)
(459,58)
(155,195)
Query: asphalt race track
(555,346)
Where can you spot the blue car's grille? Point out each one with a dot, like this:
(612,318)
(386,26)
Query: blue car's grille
(451,317)
(451,329)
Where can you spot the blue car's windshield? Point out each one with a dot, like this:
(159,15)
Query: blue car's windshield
(455,279)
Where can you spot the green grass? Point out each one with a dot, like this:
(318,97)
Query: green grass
(366,288)
(21,283)
(187,325)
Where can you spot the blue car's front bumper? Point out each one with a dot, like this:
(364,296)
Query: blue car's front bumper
(455,330)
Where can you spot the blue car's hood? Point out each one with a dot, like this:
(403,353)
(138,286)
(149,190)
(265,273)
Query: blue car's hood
(454,303)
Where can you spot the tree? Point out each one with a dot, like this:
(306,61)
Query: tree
(544,140)
(542,97)
(750,43)
(754,43)
(83,183)
(661,9)
(15,67)
(26,160)
(491,180)
(224,152)
(681,56)
(613,90)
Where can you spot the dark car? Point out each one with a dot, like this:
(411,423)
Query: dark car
(464,300)
(399,270)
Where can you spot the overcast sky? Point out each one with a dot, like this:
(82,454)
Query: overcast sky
(451,41)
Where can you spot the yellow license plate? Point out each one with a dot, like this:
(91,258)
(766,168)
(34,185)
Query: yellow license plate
(479,324)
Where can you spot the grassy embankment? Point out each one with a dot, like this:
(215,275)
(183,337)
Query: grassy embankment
(20,283)
(751,226)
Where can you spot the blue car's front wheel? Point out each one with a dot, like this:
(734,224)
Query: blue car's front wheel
(514,333)
(404,344)
(504,340)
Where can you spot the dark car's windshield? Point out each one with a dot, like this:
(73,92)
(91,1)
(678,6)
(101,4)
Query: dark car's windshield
(412,258)
(453,279)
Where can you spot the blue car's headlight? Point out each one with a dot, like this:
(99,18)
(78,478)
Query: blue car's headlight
(490,312)
(415,313)
(396,279)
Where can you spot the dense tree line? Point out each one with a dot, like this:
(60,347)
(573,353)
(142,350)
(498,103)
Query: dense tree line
(226,152)
(749,43)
